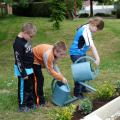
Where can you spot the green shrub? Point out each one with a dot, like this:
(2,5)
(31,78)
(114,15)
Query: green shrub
(105,91)
(83,15)
(117,8)
(118,13)
(41,9)
(63,113)
(118,86)
(86,106)
(113,12)
(58,13)
(102,15)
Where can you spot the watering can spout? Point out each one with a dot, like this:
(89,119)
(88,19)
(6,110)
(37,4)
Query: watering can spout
(71,100)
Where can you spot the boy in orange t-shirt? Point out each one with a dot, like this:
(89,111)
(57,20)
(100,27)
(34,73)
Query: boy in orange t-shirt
(45,56)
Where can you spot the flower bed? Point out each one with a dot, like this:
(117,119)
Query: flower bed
(104,94)
(96,104)
(107,111)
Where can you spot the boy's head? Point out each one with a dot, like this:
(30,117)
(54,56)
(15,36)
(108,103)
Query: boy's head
(59,49)
(29,30)
(96,23)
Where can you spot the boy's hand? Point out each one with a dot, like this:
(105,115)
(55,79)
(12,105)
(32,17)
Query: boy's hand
(97,62)
(64,81)
(25,78)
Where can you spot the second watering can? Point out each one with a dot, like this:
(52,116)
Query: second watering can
(61,93)
(84,69)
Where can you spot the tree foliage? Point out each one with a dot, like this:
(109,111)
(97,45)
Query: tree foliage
(72,7)
(107,2)
(58,13)
(6,1)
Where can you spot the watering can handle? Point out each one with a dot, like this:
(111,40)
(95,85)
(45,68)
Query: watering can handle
(53,85)
(90,58)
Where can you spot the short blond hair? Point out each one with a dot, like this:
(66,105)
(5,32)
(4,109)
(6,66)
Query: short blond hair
(98,22)
(29,28)
(60,46)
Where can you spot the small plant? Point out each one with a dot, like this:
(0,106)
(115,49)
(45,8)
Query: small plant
(118,86)
(64,113)
(105,91)
(86,106)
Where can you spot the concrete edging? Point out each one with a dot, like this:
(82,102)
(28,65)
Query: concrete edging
(105,111)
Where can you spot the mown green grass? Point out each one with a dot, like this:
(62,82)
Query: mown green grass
(106,41)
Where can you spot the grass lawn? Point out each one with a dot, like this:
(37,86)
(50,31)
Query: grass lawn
(107,42)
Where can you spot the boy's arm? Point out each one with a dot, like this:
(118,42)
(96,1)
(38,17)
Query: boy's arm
(96,55)
(89,42)
(50,68)
(18,55)
(58,70)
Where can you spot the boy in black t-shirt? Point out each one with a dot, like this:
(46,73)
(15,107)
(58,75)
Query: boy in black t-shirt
(24,67)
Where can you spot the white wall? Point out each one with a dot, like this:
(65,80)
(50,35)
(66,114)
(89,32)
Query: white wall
(107,9)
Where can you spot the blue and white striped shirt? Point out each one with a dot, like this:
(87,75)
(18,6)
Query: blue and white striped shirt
(82,41)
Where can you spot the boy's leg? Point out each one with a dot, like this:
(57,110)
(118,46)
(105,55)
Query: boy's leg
(39,82)
(20,104)
(21,96)
(29,91)
(78,90)
(25,92)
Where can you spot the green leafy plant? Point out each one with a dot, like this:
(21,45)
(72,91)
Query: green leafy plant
(86,106)
(118,86)
(23,3)
(64,113)
(8,1)
(58,13)
(105,91)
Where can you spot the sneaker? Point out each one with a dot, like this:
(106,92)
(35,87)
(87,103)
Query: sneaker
(42,101)
(24,109)
(33,107)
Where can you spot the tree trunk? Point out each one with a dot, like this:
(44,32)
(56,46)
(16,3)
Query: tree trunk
(75,8)
(91,8)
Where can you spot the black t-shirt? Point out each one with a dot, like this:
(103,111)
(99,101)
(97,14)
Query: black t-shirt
(23,55)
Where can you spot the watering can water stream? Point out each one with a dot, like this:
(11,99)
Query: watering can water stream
(83,70)
(61,93)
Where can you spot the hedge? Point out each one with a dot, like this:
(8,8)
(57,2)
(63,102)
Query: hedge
(38,9)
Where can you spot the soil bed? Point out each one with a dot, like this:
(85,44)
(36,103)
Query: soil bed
(96,104)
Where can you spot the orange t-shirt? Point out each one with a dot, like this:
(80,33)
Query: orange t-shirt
(43,55)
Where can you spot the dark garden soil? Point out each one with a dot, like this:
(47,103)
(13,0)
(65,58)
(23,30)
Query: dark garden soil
(96,104)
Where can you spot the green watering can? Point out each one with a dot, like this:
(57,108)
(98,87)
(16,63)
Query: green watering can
(61,93)
(84,70)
